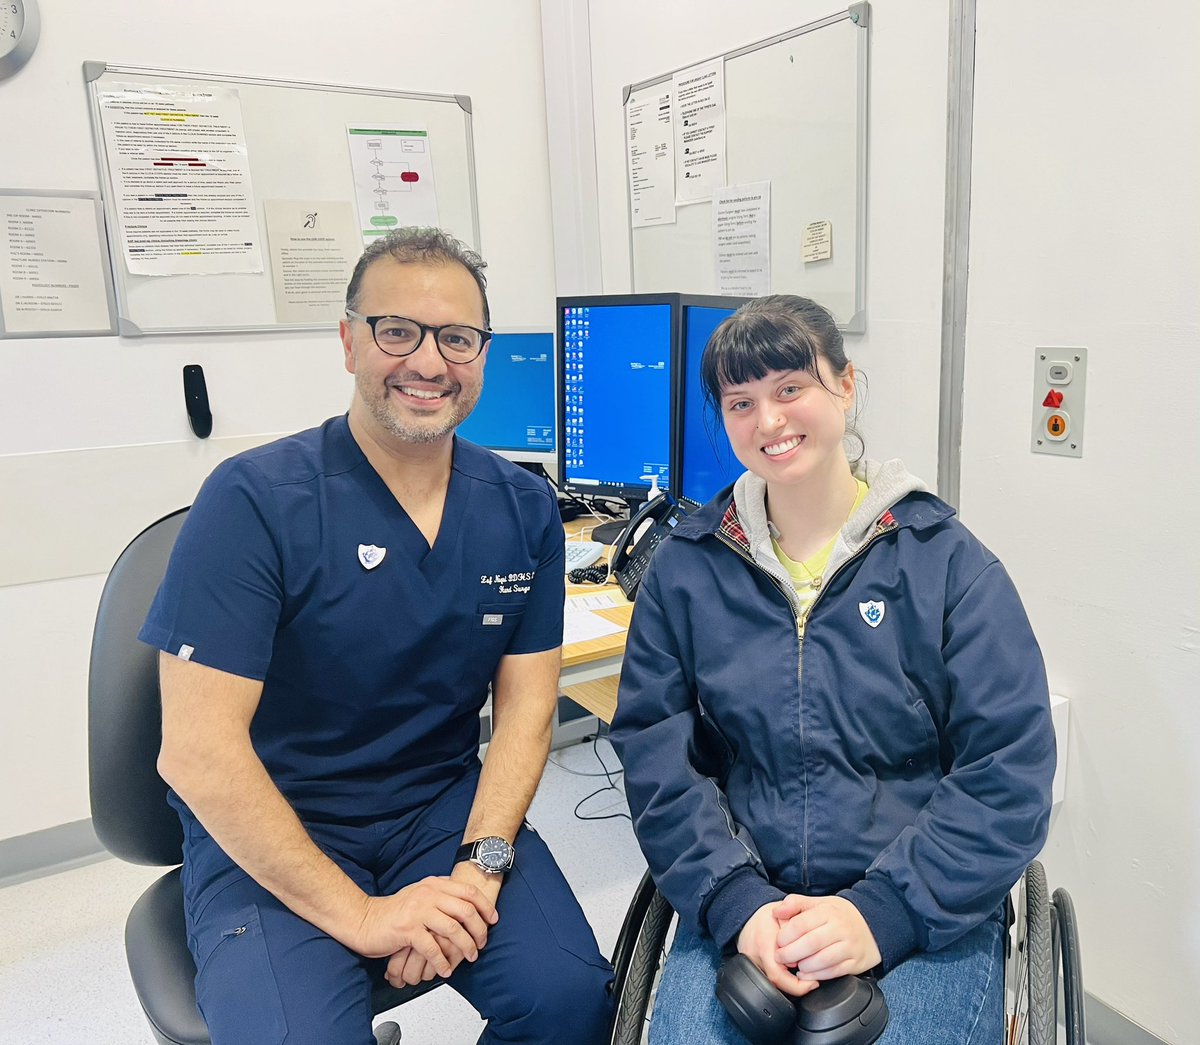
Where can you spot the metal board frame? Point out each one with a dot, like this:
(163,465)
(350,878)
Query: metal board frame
(859,15)
(94,70)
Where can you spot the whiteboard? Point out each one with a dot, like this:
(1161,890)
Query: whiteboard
(296,139)
(795,116)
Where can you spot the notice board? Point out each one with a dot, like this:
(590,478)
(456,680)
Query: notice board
(201,175)
(795,117)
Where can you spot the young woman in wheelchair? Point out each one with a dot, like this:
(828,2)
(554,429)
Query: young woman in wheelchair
(833,714)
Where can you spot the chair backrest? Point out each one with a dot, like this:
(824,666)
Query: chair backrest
(129,799)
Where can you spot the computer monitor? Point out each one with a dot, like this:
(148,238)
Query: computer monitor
(517,414)
(617,354)
(704,462)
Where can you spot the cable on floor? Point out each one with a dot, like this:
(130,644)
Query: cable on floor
(611,775)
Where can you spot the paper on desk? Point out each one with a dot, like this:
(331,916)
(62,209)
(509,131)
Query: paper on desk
(595,600)
(581,625)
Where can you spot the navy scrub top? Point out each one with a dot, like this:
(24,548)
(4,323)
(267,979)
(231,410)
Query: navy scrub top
(297,566)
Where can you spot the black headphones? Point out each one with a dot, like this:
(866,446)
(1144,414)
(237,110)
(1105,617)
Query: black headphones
(847,1011)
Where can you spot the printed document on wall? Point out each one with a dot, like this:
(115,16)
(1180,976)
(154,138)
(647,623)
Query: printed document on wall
(314,246)
(699,116)
(51,266)
(393,177)
(741,231)
(650,152)
(817,242)
(180,172)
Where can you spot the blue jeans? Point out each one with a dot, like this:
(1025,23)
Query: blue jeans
(954,996)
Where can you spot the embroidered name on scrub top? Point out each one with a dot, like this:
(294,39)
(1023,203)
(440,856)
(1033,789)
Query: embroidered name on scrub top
(508,584)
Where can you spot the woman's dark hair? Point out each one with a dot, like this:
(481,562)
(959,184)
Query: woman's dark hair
(770,334)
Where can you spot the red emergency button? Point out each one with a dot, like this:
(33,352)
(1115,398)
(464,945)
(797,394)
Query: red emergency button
(1053,399)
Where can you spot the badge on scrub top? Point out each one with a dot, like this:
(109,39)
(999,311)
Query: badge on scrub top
(370,556)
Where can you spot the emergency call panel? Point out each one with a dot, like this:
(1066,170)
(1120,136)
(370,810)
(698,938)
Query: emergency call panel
(1059,382)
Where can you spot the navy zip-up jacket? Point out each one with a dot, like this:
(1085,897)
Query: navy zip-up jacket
(901,754)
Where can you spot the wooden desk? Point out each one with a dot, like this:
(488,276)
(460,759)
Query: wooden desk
(591,668)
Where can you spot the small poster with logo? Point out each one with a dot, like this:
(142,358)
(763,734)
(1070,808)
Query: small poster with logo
(314,246)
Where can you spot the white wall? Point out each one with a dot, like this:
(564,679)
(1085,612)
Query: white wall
(633,41)
(1086,231)
(59,394)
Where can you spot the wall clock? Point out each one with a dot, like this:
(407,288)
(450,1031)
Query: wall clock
(19,26)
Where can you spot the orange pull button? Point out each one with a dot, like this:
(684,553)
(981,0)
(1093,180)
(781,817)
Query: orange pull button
(1053,398)
(1056,426)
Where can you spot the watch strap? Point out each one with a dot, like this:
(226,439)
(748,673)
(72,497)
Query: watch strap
(464,852)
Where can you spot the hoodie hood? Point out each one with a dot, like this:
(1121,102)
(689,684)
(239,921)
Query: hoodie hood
(888,482)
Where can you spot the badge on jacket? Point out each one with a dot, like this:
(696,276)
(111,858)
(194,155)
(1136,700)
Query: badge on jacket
(872,612)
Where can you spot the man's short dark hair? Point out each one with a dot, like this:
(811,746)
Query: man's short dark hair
(416,243)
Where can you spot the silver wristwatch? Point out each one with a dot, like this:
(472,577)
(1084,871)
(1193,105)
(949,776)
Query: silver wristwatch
(492,855)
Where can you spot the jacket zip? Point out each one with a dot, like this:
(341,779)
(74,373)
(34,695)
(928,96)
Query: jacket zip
(800,644)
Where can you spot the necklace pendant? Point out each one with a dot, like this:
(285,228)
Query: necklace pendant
(815,583)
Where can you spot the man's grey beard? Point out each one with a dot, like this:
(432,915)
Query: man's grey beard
(424,434)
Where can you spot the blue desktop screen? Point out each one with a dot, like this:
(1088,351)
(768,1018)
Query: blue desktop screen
(707,463)
(616,395)
(517,411)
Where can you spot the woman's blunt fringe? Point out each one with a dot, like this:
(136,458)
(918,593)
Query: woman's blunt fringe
(779,332)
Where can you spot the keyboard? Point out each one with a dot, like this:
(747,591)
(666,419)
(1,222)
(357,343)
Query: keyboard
(583,553)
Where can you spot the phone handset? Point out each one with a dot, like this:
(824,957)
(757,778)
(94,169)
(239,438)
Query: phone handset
(645,531)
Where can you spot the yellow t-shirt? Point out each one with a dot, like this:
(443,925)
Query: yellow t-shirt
(807,575)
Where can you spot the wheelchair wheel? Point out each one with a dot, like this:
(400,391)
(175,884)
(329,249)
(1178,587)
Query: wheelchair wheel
(1032,1021)
(637,962)
(1072,971)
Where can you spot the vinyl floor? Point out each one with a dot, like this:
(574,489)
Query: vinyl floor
(63,977)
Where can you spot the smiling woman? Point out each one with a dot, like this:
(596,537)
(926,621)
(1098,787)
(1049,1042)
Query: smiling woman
(784,400)
(855,775)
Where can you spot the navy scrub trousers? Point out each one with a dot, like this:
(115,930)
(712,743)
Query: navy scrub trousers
(267,977)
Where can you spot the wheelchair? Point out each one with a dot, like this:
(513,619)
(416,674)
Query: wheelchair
(1042,964)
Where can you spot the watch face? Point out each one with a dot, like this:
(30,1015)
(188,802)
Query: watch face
(495,854)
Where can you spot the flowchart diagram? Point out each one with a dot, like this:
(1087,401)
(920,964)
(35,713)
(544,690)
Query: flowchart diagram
(393,178)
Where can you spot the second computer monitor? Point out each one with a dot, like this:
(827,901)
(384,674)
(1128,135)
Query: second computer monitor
(618,354)
(704,462)
(516,415)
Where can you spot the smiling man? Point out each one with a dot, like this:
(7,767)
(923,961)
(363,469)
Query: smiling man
(336,607)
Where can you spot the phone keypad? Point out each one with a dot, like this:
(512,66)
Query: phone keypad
(631,574)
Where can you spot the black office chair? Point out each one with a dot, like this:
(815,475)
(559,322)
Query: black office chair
(129,799)
(1043,947)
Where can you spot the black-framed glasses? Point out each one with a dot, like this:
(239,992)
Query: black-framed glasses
(398,336)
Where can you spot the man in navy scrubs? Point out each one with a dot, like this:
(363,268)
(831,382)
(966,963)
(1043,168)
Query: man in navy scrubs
(335,608)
